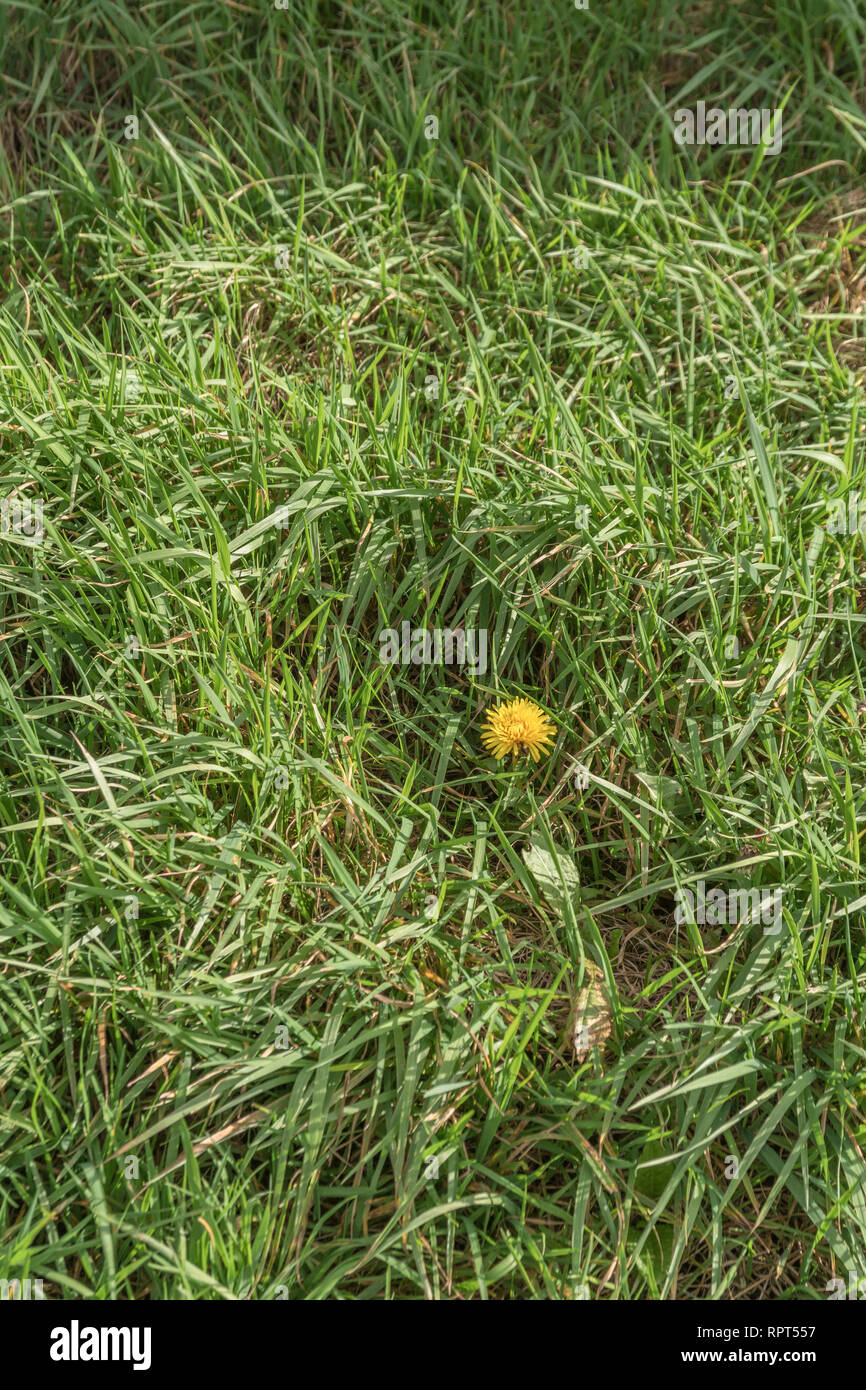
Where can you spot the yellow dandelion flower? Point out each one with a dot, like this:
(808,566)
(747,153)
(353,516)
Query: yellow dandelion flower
(517,725)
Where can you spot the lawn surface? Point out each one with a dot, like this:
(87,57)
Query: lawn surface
(322,320)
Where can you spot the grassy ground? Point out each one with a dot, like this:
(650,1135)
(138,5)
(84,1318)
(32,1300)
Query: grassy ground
(293,975)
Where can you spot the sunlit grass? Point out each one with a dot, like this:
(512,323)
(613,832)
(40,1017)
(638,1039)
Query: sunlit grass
(302,993)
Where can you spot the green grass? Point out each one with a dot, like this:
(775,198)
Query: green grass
(289,969)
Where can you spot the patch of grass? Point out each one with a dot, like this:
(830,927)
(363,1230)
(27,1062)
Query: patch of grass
(292,975)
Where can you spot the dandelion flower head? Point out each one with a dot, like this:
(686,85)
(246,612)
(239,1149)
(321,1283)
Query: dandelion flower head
(517,726)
